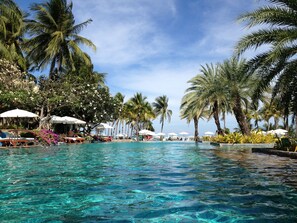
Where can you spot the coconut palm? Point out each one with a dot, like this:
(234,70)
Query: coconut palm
(12,30)
(239,85)
(54,37)
(161,109)
(272,110)
(120,117)
(208,86)
(254,114)
(278,63)
(192,109)
(140,112)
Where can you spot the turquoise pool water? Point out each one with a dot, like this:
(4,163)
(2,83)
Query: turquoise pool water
(145,182)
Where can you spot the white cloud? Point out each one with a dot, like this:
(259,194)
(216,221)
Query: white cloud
(154,47)
(125,32)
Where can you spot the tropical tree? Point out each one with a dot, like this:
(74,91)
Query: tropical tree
(272,110)
(254,114)
(54,37)
(277,64)
(17,90)
(192,108)
(239,85)
(161,109)
(12,29)
(140,112)
(120,116)
(208,86)
(81,93)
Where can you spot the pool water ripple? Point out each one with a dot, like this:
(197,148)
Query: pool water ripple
(145,182)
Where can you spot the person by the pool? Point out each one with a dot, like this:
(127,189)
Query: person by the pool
(2,134)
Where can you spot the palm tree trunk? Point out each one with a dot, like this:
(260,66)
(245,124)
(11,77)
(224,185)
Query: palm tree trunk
(137,129)
(52,68)
(216,118)
(224,119)
(296,125)
(196,134)
(41,116)
(162,125)
(240,118)
(122,125)
(276,123)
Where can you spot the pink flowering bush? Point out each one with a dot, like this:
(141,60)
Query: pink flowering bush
(48,137)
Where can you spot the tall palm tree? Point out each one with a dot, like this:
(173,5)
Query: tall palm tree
(239,84)
(277,65)
(54,37)
(192,109)
(161,109)
(208,86)
(120,119)
(12,29)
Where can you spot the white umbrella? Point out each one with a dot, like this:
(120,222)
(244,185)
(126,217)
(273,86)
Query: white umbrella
(160,134)
(66,120)
(57,119)
(71,120)
(184,133)
(208,133)
(278,132)
(172,134)
(104,126)
(18,113)
(146,132)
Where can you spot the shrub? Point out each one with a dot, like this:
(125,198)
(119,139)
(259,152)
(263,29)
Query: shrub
(235,137)
(48,137)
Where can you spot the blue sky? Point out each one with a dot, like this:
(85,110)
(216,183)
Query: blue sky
(156,46)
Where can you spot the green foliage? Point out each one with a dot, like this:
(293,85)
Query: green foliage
(286,144)
(237,138)
(12,30)
(54,38)
(140,112)
(16,88)
(75,97)
(161,109)
(276,65)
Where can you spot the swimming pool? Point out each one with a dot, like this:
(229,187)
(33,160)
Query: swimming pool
(145,182)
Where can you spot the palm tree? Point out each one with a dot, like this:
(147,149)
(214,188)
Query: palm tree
(277,65)
(54,37)
(12,29)
(272,110)
(192,109)
(254,114)
(140,112)
(209,89)
(161,109)
(120,119)
(239,84)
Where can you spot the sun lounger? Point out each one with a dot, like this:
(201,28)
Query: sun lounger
(17,142)
(74,139)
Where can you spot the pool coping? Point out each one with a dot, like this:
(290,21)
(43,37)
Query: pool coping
(269,151)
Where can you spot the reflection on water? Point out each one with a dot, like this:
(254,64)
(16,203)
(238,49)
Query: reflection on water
(281,169)
(145,182)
